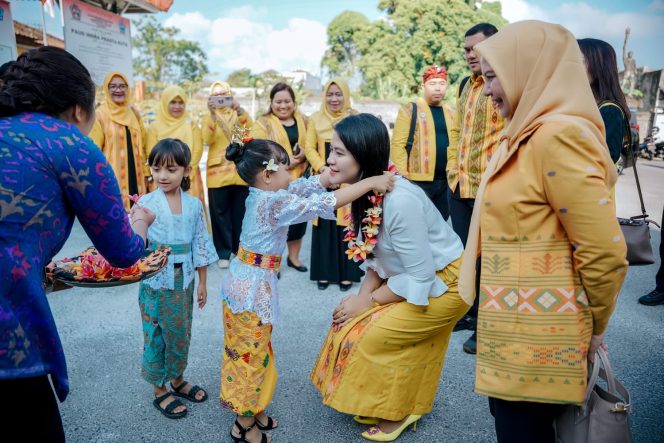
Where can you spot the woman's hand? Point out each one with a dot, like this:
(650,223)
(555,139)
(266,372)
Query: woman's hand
(210,105)
(349,308)
(595,342)
(381,184)
(201,296)
(297,159)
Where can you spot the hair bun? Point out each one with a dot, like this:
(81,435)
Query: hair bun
(234,152)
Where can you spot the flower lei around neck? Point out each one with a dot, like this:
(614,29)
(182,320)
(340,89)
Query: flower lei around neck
(358,250)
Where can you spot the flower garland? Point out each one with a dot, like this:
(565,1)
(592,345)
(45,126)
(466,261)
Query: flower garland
(358,250)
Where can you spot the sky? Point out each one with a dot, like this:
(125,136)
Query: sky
(291,34)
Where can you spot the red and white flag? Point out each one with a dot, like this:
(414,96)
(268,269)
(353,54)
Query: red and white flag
(49,6)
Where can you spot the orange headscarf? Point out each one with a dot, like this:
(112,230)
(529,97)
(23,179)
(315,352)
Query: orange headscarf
(540,68)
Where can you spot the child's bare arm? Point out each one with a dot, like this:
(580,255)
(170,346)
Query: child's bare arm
(201,292)
(379,184)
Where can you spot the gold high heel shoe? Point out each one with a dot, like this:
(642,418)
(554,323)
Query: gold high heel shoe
(371,421)
(375,434)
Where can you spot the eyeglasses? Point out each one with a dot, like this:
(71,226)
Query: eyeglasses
(117,87)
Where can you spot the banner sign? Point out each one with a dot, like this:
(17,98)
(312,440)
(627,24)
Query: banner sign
(100,39)
(7,36)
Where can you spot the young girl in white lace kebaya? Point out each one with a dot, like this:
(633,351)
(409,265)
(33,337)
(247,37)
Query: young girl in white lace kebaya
(166,300)
(249,289)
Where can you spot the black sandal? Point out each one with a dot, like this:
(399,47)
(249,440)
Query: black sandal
(271,424)
(243,433)
(168,410)
(191,395)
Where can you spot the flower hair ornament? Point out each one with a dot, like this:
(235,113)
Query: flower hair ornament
(240,135)
(271,166)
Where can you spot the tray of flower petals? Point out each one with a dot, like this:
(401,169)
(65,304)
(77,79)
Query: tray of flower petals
(90,269)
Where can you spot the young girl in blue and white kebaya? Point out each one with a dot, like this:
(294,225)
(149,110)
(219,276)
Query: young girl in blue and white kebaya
(249,289)
(166,300)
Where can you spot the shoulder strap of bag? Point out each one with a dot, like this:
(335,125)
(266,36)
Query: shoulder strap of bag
(411,132)
(463,84)
(644,214)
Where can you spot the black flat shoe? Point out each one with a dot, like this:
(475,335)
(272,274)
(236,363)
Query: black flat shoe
(322,285)
(345,286)
(300,268)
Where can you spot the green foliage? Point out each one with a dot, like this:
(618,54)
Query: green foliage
(241,78)
(392,53)
(263,82)
(342,53)
(163,58)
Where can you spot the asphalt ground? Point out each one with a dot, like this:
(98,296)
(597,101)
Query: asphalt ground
(110,402)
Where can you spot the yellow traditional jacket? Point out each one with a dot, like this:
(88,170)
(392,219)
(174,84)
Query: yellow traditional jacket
(221,172)
(270,127)
(111,138)
(474,136)
(421,164)
(553,263)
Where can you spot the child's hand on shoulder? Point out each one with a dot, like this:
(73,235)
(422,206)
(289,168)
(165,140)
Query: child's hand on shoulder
(380,184)
(201,296)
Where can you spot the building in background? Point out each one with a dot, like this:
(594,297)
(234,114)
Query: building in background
(305,79)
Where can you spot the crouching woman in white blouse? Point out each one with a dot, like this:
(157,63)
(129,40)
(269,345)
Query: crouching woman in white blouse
(384,354)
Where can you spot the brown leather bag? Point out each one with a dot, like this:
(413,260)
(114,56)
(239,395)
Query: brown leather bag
(637,233)
(604,415)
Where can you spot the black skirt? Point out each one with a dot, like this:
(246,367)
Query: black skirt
(296,232)
(328,254)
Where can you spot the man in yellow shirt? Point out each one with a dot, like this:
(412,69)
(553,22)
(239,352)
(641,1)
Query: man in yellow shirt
(420,140)
(474,137)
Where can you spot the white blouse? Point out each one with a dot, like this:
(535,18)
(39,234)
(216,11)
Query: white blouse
(414,243)
(189,227)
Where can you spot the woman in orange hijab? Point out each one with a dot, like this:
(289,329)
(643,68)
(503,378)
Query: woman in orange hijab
(120,134)
(553,254)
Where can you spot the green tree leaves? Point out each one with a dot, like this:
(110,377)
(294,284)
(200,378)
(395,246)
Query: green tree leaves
(163,58)
(391,53)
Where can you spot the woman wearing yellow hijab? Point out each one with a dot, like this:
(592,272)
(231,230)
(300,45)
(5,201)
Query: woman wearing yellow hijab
(284,124)
(173,121)
(328,250)
(226,190)
(120,134)
(553,255)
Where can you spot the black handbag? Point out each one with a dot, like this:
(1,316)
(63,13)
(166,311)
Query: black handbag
(636,231)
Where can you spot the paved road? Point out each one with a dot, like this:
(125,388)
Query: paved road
(109,402)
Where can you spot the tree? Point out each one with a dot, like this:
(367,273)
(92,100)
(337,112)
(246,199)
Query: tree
(391,53)
(242,78)
(163,58)
(341,56)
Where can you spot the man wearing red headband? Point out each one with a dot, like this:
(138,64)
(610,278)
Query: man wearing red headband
(420,139)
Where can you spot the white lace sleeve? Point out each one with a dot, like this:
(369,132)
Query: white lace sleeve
(304,187)
(202,249)
(287,209)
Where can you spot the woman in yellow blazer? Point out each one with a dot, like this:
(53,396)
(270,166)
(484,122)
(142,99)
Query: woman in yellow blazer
(553,254)
(173,121)
(284,124)
(120,134)
(226,190)
(328,256)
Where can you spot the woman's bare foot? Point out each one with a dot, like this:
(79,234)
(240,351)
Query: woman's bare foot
(253,435)
(263,419)
(161,390)
(388,426)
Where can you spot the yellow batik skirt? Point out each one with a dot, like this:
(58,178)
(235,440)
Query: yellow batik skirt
(387,363)
(248,374)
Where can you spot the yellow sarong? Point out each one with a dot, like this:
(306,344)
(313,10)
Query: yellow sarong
(387,362)
(248,374)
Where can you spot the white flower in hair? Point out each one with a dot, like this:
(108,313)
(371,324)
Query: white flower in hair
(271,166)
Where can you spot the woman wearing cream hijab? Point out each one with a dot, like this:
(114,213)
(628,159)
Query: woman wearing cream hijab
(173,121)
(226,190)
(328,257)
(120,134)
(553,255)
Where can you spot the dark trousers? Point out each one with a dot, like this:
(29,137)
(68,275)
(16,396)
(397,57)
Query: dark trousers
(659,278)
(436,190)
(226,214)
(30,399)
(523,421)
(461,211)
